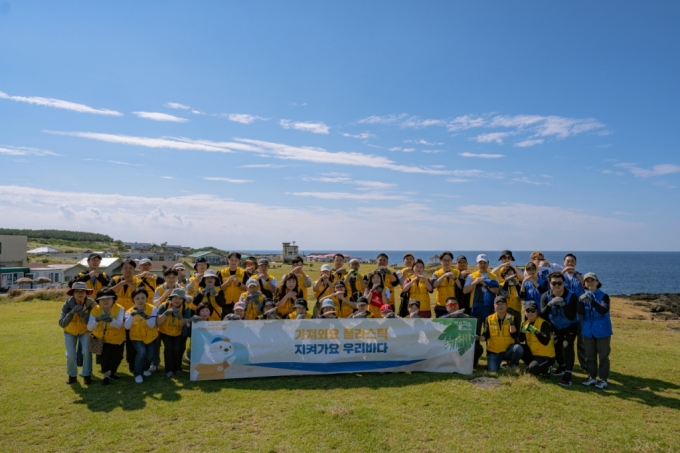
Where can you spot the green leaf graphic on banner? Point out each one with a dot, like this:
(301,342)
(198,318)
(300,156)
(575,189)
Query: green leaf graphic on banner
(459,334)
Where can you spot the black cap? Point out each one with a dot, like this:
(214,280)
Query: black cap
(105,294)
(93,255)
(409,254)
(201,260)
(461,258)
(506,252)
(362,301)
(531,305)
(301,303)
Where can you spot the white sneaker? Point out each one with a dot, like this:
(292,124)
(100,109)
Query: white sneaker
(139,379)
(153,368)
(147,373)
(601,384)
(590,381)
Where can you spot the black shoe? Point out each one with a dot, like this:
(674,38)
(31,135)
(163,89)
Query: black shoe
(87,380)
(105,381)
(72,380)
(557,372)
(114,376)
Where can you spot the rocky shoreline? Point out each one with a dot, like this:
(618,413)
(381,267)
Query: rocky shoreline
(664,307)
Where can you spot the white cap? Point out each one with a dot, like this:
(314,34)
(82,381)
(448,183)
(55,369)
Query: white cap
(326,267)
(144,261)
(354,260)
(251,282)
(482,257)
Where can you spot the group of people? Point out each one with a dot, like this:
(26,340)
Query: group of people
(537,315)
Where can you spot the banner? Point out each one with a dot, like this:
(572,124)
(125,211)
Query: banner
(244,349)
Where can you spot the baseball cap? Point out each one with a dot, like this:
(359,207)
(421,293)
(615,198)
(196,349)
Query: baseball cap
(592,275)
(386,308)
(263,261)
(482,257)
(179,266)
(461,258)
(499,300)
(251,282)
(301,303)
(362,301)
(354,260)
(414,302)
(93,255)
(241,305)
(531,305)
(326,267)
(144,261)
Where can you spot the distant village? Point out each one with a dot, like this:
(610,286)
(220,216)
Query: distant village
(17,270)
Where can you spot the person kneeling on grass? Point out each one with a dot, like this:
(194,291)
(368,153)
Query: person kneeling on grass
(414,309)
(596,328)
(140,320)
(300,310)
(173,315)
(500,333)
(252,299)
(75,314)
(327,309)
(387,312)
(539,353)
(106,324)
(362,309)
(268,310)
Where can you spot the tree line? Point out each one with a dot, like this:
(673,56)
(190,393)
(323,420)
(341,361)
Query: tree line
(77,236)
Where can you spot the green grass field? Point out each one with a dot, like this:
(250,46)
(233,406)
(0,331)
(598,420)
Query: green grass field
(368,412)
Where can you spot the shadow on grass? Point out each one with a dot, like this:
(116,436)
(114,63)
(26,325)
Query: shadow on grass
(636,389)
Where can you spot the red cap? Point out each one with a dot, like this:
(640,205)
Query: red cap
(386,307)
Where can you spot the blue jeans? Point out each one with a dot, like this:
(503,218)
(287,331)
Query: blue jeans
(513,354)
(71,342)
(157,354)
(144,356)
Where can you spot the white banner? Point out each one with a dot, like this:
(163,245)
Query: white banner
(243,349)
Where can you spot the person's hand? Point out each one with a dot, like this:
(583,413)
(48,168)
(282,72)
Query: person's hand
(296,270)
(94,273)
(198,277)
(78,308)
(510,319)
(532,329)
(478,280)
(524,329)
(291,294)
(196,318)
(175,310)
(464,274)
(107,319)
(101,317)
(144,315)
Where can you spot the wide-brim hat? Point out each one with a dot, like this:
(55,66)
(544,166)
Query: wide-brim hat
(210,274)
(592,275)
(201,260)
(506,253)
(179,292)
(79,285)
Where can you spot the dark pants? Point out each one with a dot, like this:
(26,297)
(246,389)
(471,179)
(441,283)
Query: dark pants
(145,353)
(130,352)
(564,348)
(439,311)
(174,350)
(157,357)
(598,348)
(581,351)
(112,355)
(536,365)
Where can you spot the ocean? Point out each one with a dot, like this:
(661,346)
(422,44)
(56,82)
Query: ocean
(619,272)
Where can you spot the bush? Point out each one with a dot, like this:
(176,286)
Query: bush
(14,293)
(17,295)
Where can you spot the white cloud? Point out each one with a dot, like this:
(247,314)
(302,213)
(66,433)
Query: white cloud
(611,172)
(482,156)
(363,185)
(168,177)
(245,118)
(492,137)
(124,163)
(156,116)
(176,105)
(316,128)
(416,122)
(389,119)
(477,174)
(348,196)
(529,142)
(229,180)
(277,150)
(24,151)
(526,180)
(374,184)
(656,170)
(464,122)
(431,151)
(403,150)
(363,135)
(457,180)
(60,104)
(424,142)
(197,112)
(262,166)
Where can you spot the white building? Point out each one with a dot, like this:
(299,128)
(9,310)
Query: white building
(290,251)
(13,251)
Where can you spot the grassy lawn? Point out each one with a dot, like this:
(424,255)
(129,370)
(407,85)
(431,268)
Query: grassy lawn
(369,412)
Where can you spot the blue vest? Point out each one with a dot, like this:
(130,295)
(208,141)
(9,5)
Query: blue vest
(482,304)
(572,283)
(594,324)
(532,294)
(557,317)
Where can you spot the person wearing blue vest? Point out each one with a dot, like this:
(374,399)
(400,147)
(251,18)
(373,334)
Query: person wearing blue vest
(482,287)
(531,290)
(573,281)
(596,328)
(559,307)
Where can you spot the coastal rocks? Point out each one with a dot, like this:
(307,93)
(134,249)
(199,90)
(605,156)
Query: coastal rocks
(665,307)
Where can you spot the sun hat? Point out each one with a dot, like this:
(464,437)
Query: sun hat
(354,260)
(79,285)
(210,274)
(201,260)
(327,303)
(178,292)
(508,253)
(592,275)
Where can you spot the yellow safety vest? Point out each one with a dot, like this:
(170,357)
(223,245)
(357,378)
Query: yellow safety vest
(125,295)
(419,292)
(536,347)
(171,325)
(140,331)
(359,282)
(343,312)
(252,306)
(500,339)
(513,299)
(97,284)
(447,288)
(294,316)
(77,326)
(108,333)
(233,291)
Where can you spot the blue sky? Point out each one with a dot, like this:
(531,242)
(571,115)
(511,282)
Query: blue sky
(349,125)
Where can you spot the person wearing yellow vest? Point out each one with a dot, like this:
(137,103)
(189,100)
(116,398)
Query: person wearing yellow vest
(510,289)
(266,281)
(506,260)
(140,321)
(287,294)
(252,299)
(160,296)
(173,315)
(536,333)
(300,310)
(234,281)
(150,281)
(268,310)
(355,281)
(390,278)
(343,305)
(106,323)
(419,288)
(212,294)
(304,282)
(444,283)
(413,308)
(92,277)
(75,314)
(250,266)
(362,309)
(376,293)
(339,271)
(200,266)
(327,310)
(123,285)
(407,270)
(500,333)
(323,287)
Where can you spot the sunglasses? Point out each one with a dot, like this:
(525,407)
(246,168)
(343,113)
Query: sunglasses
(557,283)
(530,310)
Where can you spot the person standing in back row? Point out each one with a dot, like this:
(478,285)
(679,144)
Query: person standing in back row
(444,283)
(559,306)
(391,278)
(573,281)
(94,278)
(596,328)
(234,281)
